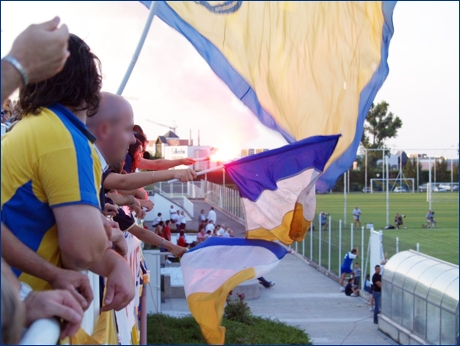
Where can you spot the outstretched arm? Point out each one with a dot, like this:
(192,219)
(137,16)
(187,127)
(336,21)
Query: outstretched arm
(161,164)
(154,239)
(137,180)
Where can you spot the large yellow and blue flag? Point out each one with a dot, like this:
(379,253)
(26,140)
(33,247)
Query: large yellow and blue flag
(304,68)
(214,268)
(277,188)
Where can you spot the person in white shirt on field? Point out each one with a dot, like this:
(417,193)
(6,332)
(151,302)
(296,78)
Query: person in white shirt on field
(357,217)
(212,215)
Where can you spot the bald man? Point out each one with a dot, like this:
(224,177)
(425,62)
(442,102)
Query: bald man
(112,126)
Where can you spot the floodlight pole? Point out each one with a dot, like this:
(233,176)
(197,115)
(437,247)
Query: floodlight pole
(137,52)
(429,185)
(365,174)
(383,164)
(388,192)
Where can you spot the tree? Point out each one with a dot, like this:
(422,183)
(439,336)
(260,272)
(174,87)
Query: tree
(442,174)
(380,125)
(455,173)
(410,169)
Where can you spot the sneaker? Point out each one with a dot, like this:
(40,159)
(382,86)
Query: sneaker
(405,227)
(342,289)
(272,283)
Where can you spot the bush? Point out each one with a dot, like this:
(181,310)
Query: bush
(242,328)
(237,310)
(164,330)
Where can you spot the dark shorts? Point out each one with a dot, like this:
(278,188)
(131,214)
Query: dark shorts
(346,270)
(182,226)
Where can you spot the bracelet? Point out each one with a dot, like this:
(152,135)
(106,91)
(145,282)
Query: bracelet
(162,244)
(17,65)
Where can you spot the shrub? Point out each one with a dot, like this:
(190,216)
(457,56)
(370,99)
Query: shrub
(164,330)
(237,310)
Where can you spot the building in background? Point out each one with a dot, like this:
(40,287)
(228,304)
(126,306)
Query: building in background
(171,147)
(249,152)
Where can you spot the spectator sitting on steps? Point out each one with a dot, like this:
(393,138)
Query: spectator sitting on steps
(351,290)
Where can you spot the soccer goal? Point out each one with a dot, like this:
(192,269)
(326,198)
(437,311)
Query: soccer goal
(379,184)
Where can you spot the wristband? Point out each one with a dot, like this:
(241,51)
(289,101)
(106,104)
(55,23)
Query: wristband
(162,244)
(17,65)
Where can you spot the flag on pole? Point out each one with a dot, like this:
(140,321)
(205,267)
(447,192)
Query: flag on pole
(304,68)
(277,188)
(214,268)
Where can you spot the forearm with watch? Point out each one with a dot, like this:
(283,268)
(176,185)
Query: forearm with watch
(13,76)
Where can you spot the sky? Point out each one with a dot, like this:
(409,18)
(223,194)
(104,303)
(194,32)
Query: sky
(171,84)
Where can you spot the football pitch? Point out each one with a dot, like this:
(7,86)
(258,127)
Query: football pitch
(441,242)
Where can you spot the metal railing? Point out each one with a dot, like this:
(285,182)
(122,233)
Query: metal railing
(217,195)
(326,246)
(42,332)
(225,198)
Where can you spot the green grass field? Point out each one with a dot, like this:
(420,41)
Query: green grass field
(441,242)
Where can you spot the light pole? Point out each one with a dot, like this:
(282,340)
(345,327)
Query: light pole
(388,193)
(429,185)
(365,174)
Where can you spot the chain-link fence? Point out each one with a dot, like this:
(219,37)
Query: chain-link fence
(327,245)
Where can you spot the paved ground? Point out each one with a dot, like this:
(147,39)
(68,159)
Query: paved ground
(305,298)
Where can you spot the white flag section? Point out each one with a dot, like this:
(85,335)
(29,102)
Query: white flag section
(127,318)
(214,268)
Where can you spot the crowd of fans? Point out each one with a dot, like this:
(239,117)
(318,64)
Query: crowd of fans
(69,184)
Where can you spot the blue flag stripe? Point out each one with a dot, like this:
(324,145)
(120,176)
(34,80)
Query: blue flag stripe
(257,173)
(278,250)
(343,163)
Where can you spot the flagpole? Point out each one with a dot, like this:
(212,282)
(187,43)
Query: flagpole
(218,168)
(153,8)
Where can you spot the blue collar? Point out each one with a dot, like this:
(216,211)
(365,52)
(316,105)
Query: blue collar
(61,110)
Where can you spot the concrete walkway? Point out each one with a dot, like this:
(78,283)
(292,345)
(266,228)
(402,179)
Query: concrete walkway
(305,298)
